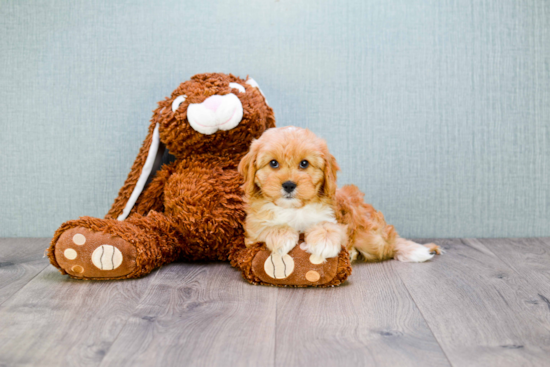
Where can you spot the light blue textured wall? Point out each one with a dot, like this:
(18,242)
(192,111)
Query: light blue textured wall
(438,109)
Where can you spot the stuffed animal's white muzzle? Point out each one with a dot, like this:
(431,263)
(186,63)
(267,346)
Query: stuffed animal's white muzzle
(215,113)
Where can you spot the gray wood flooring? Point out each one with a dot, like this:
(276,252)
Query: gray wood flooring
(485,302)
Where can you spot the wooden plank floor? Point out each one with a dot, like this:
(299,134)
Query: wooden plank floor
(483,303)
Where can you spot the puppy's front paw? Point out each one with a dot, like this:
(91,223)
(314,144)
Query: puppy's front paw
(282,240)
(325,241)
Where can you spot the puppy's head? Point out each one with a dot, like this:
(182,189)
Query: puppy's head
(290,167)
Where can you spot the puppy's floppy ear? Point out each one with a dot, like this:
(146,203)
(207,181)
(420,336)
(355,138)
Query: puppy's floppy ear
(247,168)
(330,173)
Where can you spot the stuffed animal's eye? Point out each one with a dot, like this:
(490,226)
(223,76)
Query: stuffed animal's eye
(179,100)
(274,164)
(237,86)
(304,164)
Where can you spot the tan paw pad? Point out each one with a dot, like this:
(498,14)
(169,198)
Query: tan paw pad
(70,254)
(77,269)
(313,276)
(79,239)
(279,267)
(83,253)
(316,260)
(107,257)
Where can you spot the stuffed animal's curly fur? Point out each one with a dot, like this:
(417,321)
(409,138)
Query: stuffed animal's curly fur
(189,209)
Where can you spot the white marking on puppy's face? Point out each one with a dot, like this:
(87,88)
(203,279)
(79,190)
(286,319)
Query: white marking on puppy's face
(288,195)
(288,201)
(215,113)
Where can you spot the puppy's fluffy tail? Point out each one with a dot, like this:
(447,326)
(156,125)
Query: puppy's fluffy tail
(409,251)
(371,236)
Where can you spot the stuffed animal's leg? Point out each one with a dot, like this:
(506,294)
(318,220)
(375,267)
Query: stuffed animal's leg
(92,248)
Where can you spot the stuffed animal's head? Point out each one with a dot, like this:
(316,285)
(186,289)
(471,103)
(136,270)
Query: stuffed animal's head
(213,113)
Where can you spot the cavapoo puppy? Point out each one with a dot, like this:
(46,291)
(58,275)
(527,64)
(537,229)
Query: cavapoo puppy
(290,188)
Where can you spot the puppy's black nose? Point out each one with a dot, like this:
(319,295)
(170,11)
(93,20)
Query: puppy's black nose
(289,186)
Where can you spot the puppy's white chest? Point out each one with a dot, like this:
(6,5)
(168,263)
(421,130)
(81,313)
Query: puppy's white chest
(301,219)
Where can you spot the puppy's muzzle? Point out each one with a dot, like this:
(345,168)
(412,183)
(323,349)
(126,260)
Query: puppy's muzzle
(289,186)
(215,113)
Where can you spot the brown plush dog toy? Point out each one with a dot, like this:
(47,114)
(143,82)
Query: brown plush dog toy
(189,207)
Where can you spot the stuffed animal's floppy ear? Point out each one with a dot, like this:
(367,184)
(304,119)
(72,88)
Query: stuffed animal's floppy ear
(330,172)
(247,168)
(255,84)
(147,162)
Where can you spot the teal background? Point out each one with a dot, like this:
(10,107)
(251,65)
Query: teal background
(439,110)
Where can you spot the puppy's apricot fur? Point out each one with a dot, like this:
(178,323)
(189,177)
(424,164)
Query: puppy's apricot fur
(329,217)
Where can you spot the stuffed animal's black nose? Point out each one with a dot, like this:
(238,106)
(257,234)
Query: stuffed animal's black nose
(289,186)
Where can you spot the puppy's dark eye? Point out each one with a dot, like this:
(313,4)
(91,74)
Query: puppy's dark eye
(304,164)
(274,164)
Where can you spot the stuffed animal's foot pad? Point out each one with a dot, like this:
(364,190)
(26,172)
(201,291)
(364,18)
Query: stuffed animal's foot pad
(83,253)
(297,268)
(279,267)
